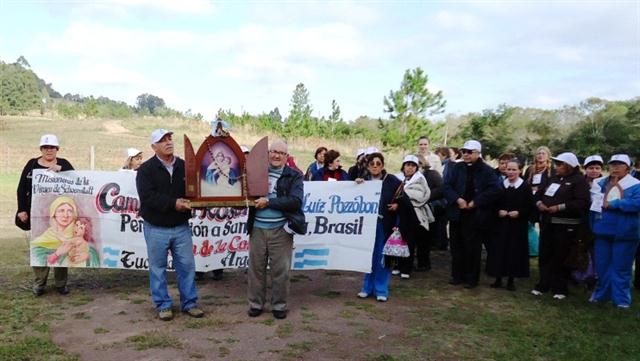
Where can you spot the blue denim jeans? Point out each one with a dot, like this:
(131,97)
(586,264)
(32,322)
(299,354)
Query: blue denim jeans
(178,240)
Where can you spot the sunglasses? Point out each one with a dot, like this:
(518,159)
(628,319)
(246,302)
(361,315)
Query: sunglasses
(375,164)
(466,151)
(277,152)
(49,147)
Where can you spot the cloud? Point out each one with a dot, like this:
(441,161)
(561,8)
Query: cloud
(107,74)
(457,20)
(124,8)
(99,41)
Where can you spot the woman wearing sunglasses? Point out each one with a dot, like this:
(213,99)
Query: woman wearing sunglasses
(377,282)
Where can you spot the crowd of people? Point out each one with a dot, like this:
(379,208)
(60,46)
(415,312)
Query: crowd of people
(447,199)
(589,225)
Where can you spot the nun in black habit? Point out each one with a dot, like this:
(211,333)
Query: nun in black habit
(509,256)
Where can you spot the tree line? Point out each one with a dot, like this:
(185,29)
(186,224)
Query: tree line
(593,126)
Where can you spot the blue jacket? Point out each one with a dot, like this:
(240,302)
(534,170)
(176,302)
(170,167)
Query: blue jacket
(621,220)
(487,190)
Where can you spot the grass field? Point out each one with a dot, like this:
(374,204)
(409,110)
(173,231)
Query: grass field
(425,319)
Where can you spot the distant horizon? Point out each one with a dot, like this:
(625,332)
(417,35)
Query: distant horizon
(249,56)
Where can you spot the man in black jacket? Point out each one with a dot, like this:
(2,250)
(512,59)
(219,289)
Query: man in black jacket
(161,187)
(271,225)
(471,187)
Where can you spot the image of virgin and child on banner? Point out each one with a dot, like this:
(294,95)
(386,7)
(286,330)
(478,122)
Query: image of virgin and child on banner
(90,219)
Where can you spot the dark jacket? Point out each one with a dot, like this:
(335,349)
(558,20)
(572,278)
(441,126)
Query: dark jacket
(319,174)
(435,182)
(158,192)
(290,192)
(25,186)
(573,194)
(390,184)
(486,189)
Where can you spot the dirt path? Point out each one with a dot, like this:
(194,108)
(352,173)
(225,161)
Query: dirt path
(114,127)
(326,322)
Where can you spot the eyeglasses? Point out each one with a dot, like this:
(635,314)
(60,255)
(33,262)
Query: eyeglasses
(277,152)
(375,164)
(466,151)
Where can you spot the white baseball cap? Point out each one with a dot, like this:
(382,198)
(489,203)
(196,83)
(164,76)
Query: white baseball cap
(244,149)
(472,145)
(132,152)
(622,158)
(410,158)
(371,150)
(360,152)
(593,158)
(157,135)
(49,139)
(567,157)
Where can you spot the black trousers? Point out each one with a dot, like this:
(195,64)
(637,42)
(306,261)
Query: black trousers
(555,245)
(466,249)
(439,237)
(419,248)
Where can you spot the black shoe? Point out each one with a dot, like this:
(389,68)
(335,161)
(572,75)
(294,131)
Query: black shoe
(63,290)
(254,312)
(38,291)
(217,275)
(280,314)
(455,282)
(470,285)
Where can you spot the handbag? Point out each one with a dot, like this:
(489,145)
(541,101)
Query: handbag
(396,246)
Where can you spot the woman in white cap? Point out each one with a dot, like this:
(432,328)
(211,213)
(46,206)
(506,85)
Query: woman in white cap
(562,204)
(616,226)
(581,258)
(359,170)
(49,160)
(413,211)
(134,159)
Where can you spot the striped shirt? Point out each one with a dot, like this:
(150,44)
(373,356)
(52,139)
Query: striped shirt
(269,218)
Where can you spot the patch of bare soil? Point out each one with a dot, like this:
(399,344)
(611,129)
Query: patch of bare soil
(326,322)
(114,127)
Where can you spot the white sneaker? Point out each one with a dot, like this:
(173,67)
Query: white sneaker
(536,293)
(624,307)
(405,276)
(395,272)
(363,295)
(381,298)
(559,296)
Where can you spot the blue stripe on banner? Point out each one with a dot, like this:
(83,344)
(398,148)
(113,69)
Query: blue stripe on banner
(111,251)
(310,262)
(110,263)
(313,252)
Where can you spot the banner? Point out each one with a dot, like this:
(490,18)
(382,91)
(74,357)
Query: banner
(90,219)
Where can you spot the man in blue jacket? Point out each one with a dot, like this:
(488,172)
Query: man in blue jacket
(161,187)
(470,187)
(271,225)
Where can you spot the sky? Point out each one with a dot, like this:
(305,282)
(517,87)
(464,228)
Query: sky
(249,55)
